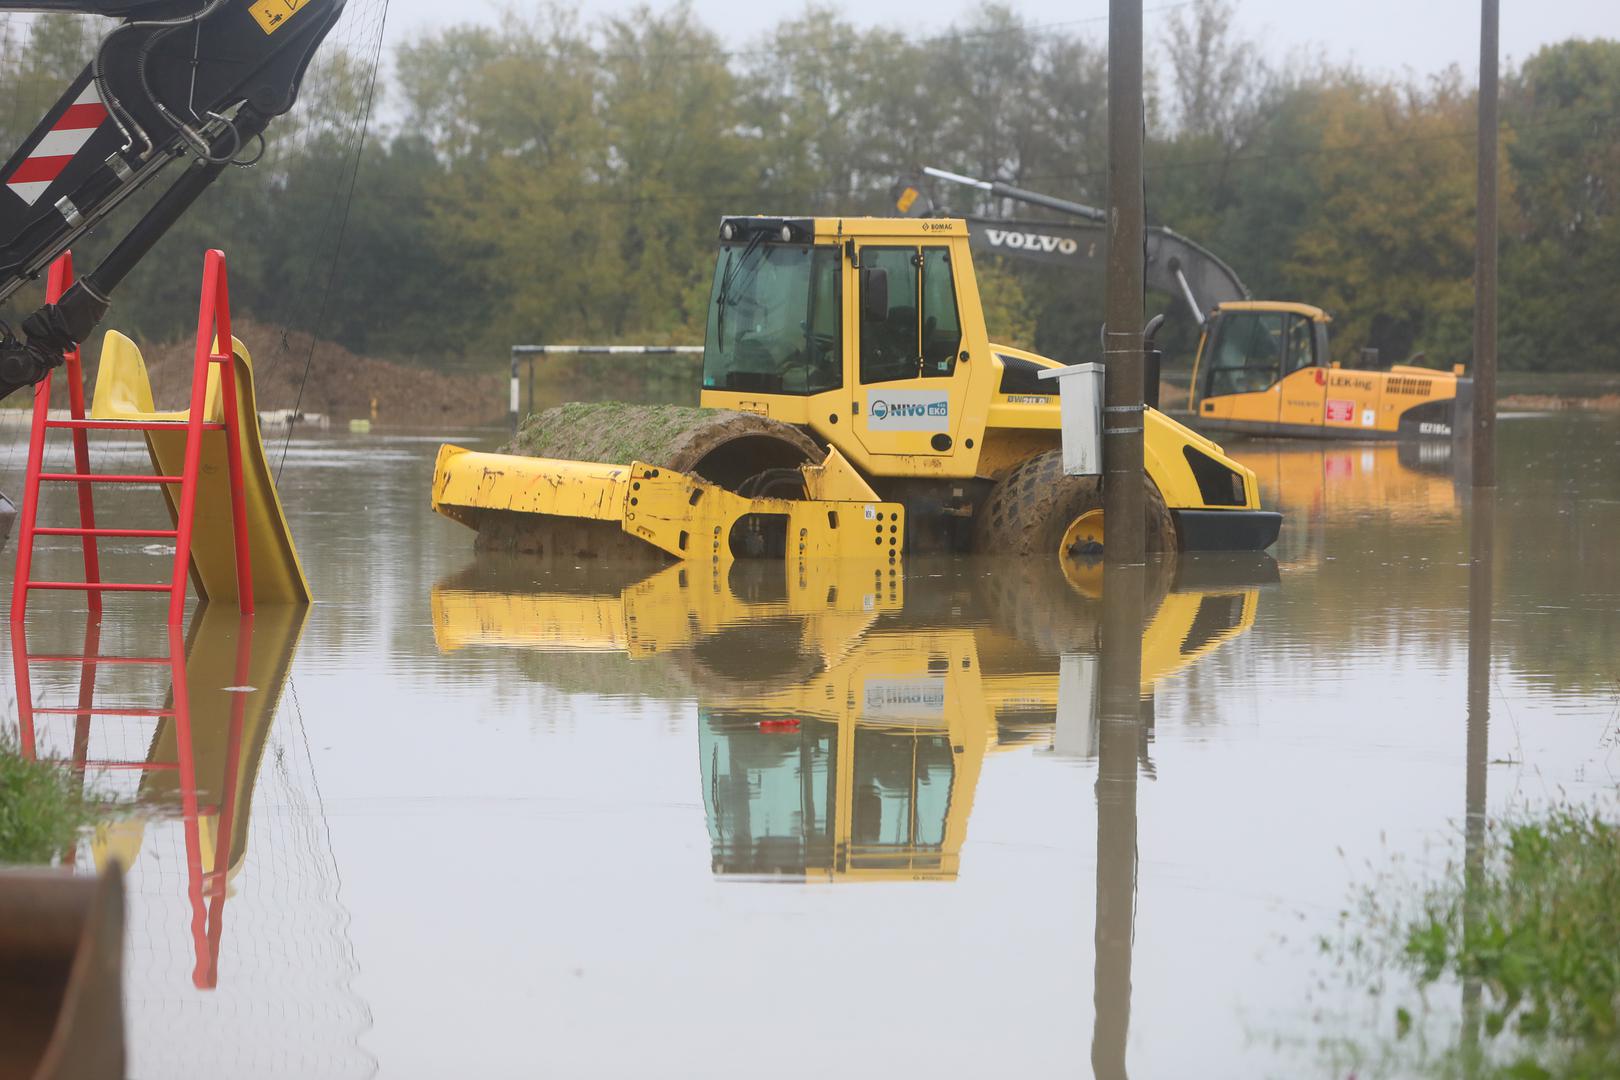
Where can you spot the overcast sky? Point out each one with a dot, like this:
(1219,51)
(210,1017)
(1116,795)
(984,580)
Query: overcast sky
(1383,35)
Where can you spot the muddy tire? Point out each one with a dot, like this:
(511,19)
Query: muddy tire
(1031,508)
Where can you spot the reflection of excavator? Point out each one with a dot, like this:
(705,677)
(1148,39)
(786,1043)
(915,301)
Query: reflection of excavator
(208,737)
(861,762)
(1398,481)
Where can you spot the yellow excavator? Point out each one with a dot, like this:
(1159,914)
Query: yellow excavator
(862,761)
(852,400)
(1263,366)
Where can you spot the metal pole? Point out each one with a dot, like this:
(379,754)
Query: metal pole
(531,382)
(1484,456)
(1124,513)
(512,404)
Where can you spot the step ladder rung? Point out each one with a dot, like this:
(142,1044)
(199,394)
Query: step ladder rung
(100,710)
(132,425)
(64,658)
(150,533)
(102,586)
(112,478)
(147,766)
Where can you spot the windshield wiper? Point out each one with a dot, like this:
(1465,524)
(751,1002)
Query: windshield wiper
(726,279)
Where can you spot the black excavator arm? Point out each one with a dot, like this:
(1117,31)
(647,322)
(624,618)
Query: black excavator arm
(193,81)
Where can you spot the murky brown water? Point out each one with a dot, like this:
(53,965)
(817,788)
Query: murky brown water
(473,820)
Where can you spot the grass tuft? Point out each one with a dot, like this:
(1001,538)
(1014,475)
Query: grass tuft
(1539,932)
(41,809)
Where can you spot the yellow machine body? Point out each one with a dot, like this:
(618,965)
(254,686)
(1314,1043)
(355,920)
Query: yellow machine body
(970,409)
(868,336)
(1263,368)
(680,515)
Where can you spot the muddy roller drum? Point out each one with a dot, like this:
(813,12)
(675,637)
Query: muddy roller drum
(740,451)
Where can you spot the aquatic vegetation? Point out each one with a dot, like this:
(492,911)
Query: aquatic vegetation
(1529,929)
(41,808)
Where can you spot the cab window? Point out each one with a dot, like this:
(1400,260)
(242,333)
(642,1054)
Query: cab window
(773,320)
(941,321)
(901,794)
(921,333)
(1301,344)
(889,344)
(1248,352)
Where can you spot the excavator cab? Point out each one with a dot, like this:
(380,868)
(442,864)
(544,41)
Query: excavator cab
(1250,348)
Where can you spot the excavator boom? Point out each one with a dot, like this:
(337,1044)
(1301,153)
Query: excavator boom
(174,79)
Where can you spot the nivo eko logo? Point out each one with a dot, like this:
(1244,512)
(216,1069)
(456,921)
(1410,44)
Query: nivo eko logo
(907,410)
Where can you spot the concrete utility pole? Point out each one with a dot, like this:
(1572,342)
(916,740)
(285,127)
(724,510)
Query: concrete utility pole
(1484,434)
(1124,512)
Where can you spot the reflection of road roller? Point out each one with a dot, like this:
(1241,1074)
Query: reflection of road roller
(861,763)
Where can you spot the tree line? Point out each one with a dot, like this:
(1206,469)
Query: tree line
(554,178)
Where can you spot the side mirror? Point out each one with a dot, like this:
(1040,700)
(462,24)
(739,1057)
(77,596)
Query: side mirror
(875,293)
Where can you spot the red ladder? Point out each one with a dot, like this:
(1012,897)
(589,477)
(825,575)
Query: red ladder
(213,335)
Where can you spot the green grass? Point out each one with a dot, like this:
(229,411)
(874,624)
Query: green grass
(41,809)
(1536,928)
(608,431)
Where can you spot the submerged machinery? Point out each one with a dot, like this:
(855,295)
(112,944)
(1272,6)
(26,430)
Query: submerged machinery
(852,398)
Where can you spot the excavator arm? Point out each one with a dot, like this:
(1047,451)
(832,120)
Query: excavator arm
(1173,263)
(192,81)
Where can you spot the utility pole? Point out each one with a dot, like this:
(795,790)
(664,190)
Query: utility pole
(1484,434)
(1124,512)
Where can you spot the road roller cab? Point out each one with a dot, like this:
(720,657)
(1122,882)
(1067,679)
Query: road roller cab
(868,333)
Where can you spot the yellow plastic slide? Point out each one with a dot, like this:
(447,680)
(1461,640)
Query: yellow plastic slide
(124,392)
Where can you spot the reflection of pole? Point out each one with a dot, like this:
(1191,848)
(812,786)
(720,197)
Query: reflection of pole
(1481,542)
(1485,256)
(1123,496)
(1118,741)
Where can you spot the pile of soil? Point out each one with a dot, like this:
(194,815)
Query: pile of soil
(341,384)
(670,436)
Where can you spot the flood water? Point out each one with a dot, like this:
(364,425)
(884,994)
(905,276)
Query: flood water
(469,818)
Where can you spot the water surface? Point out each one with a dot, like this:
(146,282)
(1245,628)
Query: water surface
(476,819)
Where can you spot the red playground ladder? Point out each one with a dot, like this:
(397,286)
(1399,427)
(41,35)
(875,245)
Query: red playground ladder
(213,325)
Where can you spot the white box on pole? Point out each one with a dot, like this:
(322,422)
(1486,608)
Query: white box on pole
(1080,397)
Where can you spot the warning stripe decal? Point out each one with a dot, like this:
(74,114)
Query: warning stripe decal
(51,155)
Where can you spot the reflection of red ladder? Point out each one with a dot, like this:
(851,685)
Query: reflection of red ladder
(213,326)
(206,890)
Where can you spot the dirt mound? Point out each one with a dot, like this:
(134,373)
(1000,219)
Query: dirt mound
(341,385)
